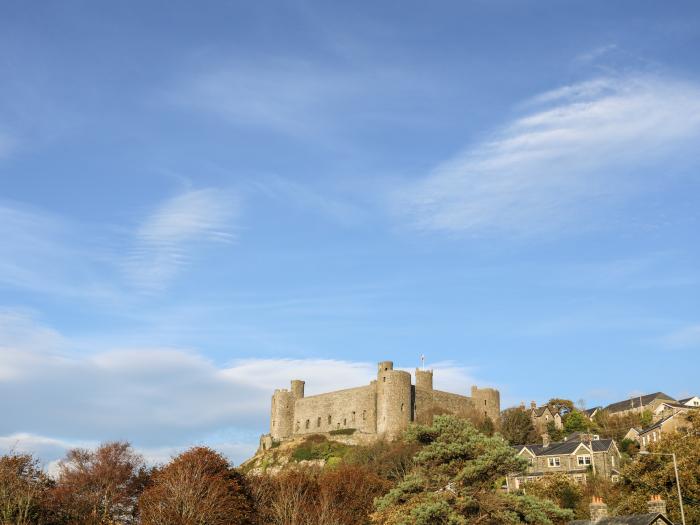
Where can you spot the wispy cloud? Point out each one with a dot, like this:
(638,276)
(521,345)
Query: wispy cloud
(577,147)
(165,239)
(686,337)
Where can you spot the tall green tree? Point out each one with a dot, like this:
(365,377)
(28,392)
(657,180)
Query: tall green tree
(517,427)
(575,421)
(457,480)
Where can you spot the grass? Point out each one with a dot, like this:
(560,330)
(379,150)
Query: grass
(318,447)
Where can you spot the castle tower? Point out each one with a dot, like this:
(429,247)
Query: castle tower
(393,400)
(298,388)
(424,379)
(282,414)
(487,401)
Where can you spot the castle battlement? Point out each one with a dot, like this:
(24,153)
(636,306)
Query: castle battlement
(383,409)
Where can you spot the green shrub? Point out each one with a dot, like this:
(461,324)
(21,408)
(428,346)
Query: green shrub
(318,447)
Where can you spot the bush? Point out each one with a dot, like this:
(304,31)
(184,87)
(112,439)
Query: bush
(318,447)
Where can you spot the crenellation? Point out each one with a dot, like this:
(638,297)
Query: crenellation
(382,409)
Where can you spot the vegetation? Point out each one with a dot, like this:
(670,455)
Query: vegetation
(449,472)
(342,432)
(456,480)
(517,427)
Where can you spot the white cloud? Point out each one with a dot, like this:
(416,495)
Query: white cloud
(579,146)
(685,337)
(164,241)
(161,399)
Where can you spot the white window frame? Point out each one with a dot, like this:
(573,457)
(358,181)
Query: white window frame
(554,462)
(581,460)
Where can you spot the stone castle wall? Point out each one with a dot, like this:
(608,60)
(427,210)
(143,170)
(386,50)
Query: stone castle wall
(384,408)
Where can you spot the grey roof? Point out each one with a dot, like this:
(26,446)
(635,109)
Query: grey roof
(634,519)
(540,410)
(566,447)
(686,399)
(634,402)
(589,411)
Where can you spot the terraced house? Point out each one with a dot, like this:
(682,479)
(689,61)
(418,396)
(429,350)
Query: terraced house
(576,457)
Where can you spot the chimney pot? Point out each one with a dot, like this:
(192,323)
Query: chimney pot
(598,509)
(656,505)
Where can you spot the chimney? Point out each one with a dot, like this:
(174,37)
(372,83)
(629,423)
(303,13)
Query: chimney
(545,440)
(656,505)
(533,405)
(598,509)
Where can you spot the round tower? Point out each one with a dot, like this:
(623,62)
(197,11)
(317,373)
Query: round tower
(282,415)
(393,400)
(424,379)
(298,388)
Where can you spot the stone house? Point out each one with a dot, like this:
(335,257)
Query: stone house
(638,404)
(673,422)
(575,457)
(541,416)
(690,401)
(656,514)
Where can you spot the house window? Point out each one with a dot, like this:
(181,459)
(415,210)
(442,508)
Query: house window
(553,462)
(583,460)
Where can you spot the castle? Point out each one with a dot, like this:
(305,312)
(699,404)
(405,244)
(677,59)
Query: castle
(382,409)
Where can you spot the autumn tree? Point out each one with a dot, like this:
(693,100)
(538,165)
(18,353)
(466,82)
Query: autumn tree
(24,490)
(517,426)
(457,481)
(652,474)
(391,460)
(561,406)
(100,487)
(198,487)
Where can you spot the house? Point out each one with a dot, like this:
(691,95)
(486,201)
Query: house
(671,423)
(665,409)
(690,401)
(591,412)
(656,515)
(541,416)
(575,457)
(638,403)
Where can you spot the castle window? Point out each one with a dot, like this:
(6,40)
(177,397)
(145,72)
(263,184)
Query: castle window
(353,417)
(364,415)
(384,379)
(401,407)
(297,427)
(308,423)
(484,402)
(329,419)
(318,422)
(345,422)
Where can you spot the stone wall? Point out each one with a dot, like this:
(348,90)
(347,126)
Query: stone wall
(351,408)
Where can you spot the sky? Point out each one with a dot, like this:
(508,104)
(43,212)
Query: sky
(200,202)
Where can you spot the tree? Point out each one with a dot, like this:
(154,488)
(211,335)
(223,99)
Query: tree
(198,487)
(576,421)
(23,490)
(649,475)
(100,487)
(457,481)
(517,427)
(559,488)
(562,406)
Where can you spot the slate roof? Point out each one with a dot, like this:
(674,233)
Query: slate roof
(565,447)
(540,410)
(685,400)
(635,519)
(628,404)
(589,411)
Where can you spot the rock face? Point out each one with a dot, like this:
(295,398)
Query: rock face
(381,410)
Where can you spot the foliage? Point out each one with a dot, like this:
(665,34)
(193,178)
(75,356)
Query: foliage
(554,433)
(559,488)
(343,432)
(456,480)
(23,490)
(100,487)
(561,406)
(318,447)
(517,427)
(629,448)
(652,474)
(310,496)
(197,487)
(391,460)
(647,418)
(576,421)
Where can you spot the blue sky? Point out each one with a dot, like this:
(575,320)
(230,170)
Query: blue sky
(198,203)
